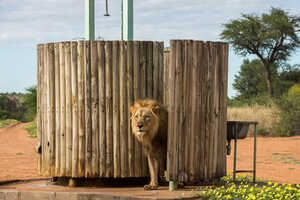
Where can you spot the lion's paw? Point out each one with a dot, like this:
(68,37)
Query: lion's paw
(150,187)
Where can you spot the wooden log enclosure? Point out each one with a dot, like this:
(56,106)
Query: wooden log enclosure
(196,96)
(84,91)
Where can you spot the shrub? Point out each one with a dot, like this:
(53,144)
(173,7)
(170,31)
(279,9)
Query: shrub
(30,104)
(289,105)
(7,122)
(31,129)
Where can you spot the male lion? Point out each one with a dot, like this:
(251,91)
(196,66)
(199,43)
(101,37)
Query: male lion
(149,125)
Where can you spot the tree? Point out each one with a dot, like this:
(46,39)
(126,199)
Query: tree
(30,103)
(250,80)
(272,37)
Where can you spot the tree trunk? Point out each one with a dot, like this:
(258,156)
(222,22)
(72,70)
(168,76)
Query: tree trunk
(269,80)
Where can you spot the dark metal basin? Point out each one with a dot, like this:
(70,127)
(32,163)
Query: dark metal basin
(237,129)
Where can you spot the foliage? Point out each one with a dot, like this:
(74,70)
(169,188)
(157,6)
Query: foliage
(251,84)
(7,122)
(250,80)
(289,105)
(30,103)
(272,37)
(246,191)
(11,106)
(31,129)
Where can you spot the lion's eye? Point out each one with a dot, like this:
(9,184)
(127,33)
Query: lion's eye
(147,118)
(136,116)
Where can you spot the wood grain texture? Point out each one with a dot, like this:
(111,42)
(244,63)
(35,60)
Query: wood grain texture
(116,109)
(95,109)
(102,107)
(68,109)
(81,109)
(109,110)
(57,108)
(74,86)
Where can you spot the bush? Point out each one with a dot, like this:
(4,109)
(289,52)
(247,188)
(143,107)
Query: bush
(7,122)
(30,104)
(31,129)
(263,100)
(289,105)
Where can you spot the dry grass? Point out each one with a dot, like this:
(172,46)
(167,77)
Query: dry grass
(267,117)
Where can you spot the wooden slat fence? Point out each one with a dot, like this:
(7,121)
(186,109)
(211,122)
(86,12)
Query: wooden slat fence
(196,96)
(84,92)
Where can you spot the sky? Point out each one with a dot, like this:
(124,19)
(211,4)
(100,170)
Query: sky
(26,23)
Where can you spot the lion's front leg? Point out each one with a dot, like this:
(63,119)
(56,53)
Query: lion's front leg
(153,168)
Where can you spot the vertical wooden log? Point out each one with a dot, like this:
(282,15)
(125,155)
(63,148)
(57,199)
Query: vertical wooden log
(95,108)
(109,110)
(137,95)
(42,115)
(171,142)
(57,110)
(178,108)
(195,98)
(102,107)
(149,69)
(143,87)
(222,81)
(75,140)
(205,104)
(88,112)
(62,109)
(116,109)
(130,101)
(212,124)
(186,132)
(200,106)
(161,72)
(39,106)
(155,70)
(215,111)
(68,109)
(123,110)
(166,77)
(81,108)
(46,112)
(51,104)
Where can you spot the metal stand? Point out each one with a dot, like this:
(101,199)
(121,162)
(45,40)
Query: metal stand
(235,154)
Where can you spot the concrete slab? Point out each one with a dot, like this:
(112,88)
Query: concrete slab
(44,190)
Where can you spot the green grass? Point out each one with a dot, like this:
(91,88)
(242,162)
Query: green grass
(244,189)
(285,159)
(7,122)
(31,129)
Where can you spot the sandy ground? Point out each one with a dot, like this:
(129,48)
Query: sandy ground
(278,159)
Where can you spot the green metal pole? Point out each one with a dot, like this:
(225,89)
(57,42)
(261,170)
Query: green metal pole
(235,152)
(254,156)
(89,19)
(127,20)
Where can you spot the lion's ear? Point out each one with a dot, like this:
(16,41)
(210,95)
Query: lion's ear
(132,109)
(156,109)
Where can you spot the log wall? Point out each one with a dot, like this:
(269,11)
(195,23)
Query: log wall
(196,96)
(84,92)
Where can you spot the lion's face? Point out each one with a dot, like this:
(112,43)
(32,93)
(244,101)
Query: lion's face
(144,122)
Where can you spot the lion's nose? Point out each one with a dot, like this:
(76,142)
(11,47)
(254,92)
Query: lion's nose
(139,126)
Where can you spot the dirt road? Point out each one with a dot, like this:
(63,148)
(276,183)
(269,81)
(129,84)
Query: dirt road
(18,159)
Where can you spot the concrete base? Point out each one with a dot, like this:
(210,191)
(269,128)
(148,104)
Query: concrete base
(44,190)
